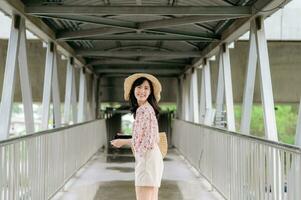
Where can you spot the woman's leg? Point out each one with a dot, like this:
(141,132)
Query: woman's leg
(144,193)
(155,193)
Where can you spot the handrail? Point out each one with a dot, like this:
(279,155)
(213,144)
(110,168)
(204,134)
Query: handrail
(240,166)
(38,165)
(284,146)
(43,132)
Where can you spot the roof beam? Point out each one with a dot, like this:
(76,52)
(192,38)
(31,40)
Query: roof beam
(149,47)
(145,53)
(139,62)
(126,70)
(186,20)
(137,10)
(162,23)
(124,75)
(96,32)
(67,35)
(145,37)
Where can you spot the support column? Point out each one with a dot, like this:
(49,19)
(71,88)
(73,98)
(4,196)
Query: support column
(224,90)
(249,85)
(93,99)
(56,94)
(220,93)
(189,97)
(179,98)
(202,99)
(97,109)
(68,91)
(265,81)
(194,97)
(208,120)
(228,88)
(82,108)
(298,129)
(9,78)
(47,85)
(183,116)
(24,80)
(186,97)
(74,98)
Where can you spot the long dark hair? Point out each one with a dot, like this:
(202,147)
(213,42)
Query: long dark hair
(151,98)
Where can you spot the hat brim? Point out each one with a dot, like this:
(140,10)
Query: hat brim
(128,82)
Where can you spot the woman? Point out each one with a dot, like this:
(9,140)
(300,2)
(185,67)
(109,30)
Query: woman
(143,93)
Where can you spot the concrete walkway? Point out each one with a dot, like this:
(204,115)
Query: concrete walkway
(111,177)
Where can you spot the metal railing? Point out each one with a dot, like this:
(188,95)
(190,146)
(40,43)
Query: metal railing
(38,165)
(240,166)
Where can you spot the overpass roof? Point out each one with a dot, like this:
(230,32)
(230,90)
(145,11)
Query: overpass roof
(163,37)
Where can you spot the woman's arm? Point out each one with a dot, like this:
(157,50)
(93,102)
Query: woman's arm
(121,142)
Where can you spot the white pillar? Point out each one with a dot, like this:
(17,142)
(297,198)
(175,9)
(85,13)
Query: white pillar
(74,97)
(249,85)
(208,120)
(265,81)
(194,91)
(68,91)
(186,97)
(56,94)
(179,98)
(228,89)
(298,129)
(24,80)
(202,98)
(183,97)
(9,78)
(47,85)
(219,92)
(82,108)
(93,99)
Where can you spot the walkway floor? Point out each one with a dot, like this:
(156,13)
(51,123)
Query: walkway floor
(111,177)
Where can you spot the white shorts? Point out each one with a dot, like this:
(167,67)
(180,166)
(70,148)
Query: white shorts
(149,168)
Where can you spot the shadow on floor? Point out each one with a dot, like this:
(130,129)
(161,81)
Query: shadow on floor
(125,190)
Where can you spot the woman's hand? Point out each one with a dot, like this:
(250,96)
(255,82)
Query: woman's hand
(117,143)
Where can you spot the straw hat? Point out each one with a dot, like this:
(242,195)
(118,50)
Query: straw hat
(131,79)
(163,145)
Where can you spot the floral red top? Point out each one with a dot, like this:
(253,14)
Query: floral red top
(145,129)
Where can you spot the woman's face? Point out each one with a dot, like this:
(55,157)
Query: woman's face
(142,91)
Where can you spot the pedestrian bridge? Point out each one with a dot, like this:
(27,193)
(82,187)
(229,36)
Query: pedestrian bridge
(77,64)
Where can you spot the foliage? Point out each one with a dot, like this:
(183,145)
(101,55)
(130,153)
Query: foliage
(286,119)
(168,107)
